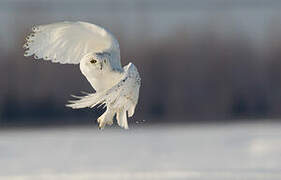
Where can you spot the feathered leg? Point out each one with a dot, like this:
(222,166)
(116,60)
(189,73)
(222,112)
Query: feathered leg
(122,118)
(106,118)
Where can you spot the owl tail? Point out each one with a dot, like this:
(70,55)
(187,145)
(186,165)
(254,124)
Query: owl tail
(90,100)
(99,98)
(94,99)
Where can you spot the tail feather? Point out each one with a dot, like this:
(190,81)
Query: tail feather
(89,100)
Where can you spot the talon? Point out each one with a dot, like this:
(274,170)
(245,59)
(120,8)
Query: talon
(101,126)
(109,123)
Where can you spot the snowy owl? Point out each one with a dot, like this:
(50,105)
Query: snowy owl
(98,53)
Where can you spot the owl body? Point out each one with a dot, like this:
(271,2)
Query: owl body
(98,53)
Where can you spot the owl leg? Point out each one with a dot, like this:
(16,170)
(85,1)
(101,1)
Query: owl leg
(122,118)
(106,118)
(131,110)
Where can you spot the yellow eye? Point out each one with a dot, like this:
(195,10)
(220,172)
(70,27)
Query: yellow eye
(93,61)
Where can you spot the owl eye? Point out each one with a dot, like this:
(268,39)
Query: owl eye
(93,61)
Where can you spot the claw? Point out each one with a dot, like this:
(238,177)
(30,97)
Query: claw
(109,122)
(101,125)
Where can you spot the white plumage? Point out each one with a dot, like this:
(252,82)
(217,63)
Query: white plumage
(98,53)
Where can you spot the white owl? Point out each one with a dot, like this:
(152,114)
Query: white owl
(98,53)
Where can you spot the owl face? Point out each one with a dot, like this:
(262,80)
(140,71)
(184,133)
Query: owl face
(98,64)
(94,62)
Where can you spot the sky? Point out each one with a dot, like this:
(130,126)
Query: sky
(135,19)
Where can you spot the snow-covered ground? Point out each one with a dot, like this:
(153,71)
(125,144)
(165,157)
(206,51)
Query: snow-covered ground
(213,152)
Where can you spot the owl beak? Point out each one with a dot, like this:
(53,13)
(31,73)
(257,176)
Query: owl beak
(101,66)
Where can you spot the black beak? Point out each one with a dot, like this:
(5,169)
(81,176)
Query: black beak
(101,66)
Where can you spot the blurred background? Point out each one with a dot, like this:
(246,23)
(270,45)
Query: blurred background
(210,61)
(199,60)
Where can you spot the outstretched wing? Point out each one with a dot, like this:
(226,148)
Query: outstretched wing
(67,42)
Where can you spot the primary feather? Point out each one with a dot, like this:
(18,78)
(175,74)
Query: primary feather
(67,42)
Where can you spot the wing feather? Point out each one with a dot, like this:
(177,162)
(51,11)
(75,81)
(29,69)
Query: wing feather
(67,42)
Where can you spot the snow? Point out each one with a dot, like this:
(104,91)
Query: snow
(217,151)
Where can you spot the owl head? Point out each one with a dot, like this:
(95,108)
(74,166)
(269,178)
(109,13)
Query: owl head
(95,62)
